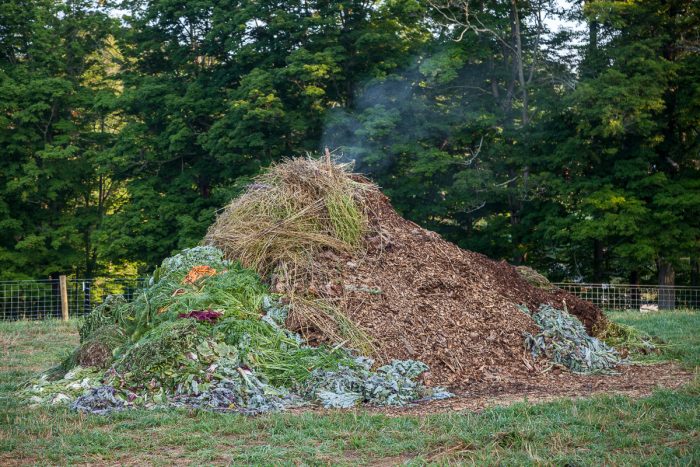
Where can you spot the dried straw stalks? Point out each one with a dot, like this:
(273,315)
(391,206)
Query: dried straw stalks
(292,212)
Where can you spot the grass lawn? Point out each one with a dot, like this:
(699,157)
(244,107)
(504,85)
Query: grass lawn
(680,331)
(661,429)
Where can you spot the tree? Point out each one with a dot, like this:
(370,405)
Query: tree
(573,152)
(215,90)
(54,134)
(448,138)
(632,151)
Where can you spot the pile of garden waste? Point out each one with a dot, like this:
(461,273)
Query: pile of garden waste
(356,274)
(564,341)
(207,333)
(310,289)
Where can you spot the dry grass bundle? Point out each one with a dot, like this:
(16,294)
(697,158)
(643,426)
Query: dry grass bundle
(534,278)
(292,212)
(327,319)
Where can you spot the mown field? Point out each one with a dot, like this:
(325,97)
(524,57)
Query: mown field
(661,429)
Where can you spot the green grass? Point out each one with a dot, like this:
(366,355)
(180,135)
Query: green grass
(678,331)
(348,221)
(661,429)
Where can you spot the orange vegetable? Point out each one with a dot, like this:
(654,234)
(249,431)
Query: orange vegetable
(198,272)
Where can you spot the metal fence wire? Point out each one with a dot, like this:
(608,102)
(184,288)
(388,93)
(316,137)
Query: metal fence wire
(41,299)
(636,297)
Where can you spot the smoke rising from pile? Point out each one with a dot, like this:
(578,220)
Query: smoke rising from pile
(387,118)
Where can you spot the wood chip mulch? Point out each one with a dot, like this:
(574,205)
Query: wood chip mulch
(421,297)
(633,381)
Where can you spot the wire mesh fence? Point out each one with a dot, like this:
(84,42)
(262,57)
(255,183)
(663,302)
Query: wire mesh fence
(41,299)
(85,294)
(636,297)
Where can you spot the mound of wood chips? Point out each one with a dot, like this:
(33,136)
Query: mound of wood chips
(421,297)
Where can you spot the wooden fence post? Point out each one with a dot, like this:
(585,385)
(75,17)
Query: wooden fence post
(64,296)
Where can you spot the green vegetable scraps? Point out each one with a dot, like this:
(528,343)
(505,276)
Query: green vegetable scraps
(564,341)
(215,340)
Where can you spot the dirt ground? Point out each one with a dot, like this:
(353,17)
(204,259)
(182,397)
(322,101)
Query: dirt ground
(633,381)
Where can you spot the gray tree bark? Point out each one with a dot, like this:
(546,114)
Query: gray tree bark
(667,279)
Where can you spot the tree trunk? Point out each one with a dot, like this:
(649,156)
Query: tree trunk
(518,61)
(667,279)
(635,295)
(204,186)
(515,207)
(593,36)
(695,282)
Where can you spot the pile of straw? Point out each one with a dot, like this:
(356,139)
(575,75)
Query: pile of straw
(292,212)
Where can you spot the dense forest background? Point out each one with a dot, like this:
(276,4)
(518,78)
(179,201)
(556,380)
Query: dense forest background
(560,136)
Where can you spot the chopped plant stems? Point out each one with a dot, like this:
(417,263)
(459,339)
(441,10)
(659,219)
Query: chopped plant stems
(214,340)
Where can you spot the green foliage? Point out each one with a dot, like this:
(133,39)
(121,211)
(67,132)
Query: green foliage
(625,145)
(56,131)
(113,311)
(240,357)
(564,341)
(234,290)
(122,137)
(629,339)
(248,85)
(160,355)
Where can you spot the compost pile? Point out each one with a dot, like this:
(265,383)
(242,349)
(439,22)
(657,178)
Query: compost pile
(206,333)
(356,272)
(311,289)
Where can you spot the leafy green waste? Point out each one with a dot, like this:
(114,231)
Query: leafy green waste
(243,359)
(637,343)
(564,341)
(394,384)
(110,312)
(163,354)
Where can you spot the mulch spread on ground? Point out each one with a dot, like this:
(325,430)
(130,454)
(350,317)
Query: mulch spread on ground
(421,297)
(633,381)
